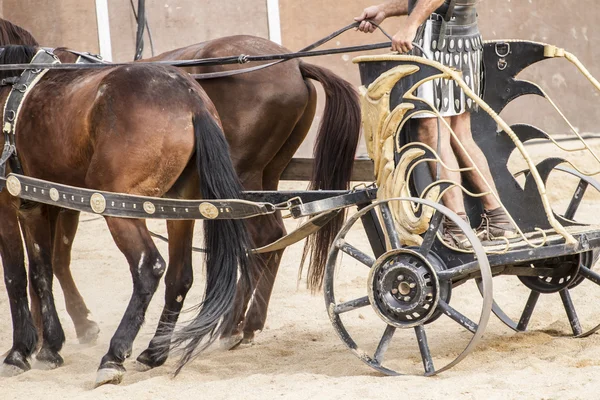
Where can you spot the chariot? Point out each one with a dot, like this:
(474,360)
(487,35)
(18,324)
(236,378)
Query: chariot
(408,274)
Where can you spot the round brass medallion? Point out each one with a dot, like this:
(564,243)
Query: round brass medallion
(13,184)
(98,203)
(54,194)
(209,210)
(149,207)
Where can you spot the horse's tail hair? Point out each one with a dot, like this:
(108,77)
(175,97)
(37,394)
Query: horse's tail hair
(227,244)
(334,152)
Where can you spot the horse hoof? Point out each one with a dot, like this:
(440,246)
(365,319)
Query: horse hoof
(90,334)
(8,370)
(230,342)
(48,359)
(14,364)
(148,360)
(141,367)
(248,338)
(105,376)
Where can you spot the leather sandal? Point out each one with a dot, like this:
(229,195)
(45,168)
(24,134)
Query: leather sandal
(453,236)
(495,225)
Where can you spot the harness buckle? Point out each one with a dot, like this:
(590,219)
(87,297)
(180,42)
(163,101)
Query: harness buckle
(21,87)
(10,117)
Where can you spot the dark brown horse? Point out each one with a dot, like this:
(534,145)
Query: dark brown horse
(266,115)
(66,225)
(142,129)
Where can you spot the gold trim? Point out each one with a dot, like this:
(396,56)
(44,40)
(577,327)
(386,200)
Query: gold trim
(149,207)
(457,78)
(209,210)
(13,184)
(54,195)
(98,203)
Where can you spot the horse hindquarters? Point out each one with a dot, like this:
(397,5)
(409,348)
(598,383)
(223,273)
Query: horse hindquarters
(226,242)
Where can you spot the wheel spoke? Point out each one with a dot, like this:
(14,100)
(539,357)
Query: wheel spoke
(590,275)
(356,254)
(388,222)
(528,310)
(384,343)
(351,305)
(576,199)
(428,239)
(570,309)
(457,317)
(424,348)
(374,231)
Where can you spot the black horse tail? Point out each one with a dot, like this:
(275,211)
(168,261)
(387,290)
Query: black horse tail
(227,244)
(334,152)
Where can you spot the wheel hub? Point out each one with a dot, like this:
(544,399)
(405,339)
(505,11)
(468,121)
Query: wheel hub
(404,289)
(565,274)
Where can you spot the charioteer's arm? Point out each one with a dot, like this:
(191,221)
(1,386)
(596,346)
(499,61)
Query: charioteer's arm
(402,40)
(380,12)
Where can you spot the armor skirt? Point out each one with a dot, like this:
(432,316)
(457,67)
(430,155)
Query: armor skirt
(461,49)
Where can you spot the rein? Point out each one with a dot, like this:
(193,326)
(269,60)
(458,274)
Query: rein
(230,60)
(318,43)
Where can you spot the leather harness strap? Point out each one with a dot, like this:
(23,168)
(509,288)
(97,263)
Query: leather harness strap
(447,18)
(21,86)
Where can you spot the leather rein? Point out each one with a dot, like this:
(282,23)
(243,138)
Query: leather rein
(241,59)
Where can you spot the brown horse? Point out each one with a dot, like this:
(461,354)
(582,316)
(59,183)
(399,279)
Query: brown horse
(266,115)
(142,129)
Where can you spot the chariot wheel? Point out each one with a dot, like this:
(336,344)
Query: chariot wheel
(573,278)
(383,315)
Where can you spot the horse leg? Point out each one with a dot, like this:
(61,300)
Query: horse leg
(257,312)
(178,280)
(36,314)
(65,228)
(15,279)
(147,267)
(37,232)
(263,232)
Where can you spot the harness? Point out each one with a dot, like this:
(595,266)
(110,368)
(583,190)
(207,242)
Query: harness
(21,87)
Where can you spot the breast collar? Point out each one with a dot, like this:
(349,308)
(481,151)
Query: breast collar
(21,87)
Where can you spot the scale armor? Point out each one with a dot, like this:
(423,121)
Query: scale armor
(451,37)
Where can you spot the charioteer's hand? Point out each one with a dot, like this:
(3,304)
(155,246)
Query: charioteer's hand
(374,14)
(402,40)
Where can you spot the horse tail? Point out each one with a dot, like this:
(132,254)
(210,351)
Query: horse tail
(334,152)
(226,241)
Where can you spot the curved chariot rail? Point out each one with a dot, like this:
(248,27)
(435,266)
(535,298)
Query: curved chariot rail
(382,123)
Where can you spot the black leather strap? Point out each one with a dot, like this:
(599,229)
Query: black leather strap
(12,107)
(130,206)
(450,10)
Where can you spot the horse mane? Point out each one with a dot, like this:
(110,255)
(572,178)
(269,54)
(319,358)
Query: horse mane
(16,55)
(14,34)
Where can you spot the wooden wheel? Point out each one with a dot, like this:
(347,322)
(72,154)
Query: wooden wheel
(403,293)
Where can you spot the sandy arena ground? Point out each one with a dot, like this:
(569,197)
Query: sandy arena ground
(299,356)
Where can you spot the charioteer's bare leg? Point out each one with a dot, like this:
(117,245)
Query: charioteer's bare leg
(495,223)
(453,198)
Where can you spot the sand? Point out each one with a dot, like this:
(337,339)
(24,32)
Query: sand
(299,356)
